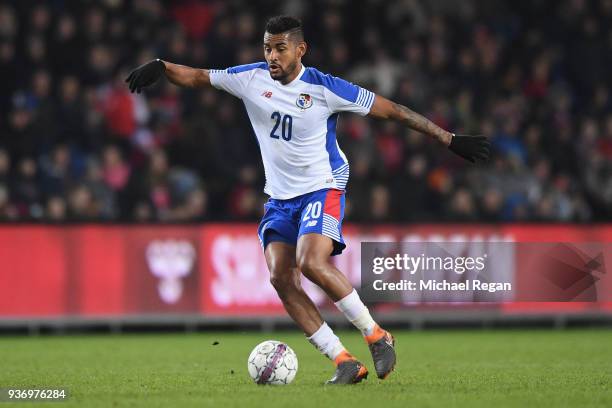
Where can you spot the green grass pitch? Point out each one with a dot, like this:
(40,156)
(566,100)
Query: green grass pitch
(509,368)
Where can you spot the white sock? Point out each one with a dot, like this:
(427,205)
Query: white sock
(326,342)
(357,313)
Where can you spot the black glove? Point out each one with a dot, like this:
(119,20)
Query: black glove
(471,148)
(145,75)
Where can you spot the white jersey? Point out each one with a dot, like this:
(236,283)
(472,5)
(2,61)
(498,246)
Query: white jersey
(295,125)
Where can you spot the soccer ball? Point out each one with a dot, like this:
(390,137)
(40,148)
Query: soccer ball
(272,362)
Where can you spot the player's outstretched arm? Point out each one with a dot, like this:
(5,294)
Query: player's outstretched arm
(181,75)
(471,148)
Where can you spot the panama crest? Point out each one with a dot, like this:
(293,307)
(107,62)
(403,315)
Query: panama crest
(304,101)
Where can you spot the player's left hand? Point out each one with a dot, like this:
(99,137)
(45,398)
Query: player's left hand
(145,75)
(471,148)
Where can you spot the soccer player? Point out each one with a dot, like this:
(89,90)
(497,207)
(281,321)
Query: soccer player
(294,110)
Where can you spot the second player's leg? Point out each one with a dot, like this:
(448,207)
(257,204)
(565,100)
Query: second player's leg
(285,277)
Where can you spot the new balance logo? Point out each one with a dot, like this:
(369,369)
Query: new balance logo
(311,223)
(267,94)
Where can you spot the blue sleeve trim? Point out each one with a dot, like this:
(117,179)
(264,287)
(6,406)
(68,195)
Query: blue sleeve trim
(365,98)
(338,86)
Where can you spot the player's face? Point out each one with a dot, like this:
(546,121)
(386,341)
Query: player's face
(283,55)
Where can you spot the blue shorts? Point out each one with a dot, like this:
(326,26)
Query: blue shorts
(319,212)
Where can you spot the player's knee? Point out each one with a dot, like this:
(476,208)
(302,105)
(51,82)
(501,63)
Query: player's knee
(277,282)
(283,280)
(311,267)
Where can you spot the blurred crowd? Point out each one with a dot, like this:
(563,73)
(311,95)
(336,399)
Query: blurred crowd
(533,76)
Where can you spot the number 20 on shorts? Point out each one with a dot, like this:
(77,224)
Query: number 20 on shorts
(313,210)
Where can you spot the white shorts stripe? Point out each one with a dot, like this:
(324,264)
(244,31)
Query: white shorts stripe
(331,228)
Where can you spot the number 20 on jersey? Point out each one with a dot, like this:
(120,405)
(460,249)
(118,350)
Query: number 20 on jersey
(282,123)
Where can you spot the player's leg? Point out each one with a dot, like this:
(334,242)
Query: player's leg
(278,235)
(313,253)
(313,259)
(285,277)
(320,236)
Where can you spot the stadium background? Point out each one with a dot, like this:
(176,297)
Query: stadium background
(139,210)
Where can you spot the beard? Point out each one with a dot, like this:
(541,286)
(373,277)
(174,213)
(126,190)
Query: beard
(283,73)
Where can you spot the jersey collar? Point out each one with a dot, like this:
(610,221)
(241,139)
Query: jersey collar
(295,80)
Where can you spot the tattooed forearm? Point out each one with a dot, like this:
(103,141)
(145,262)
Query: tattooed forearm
(418,122)
(383,108)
